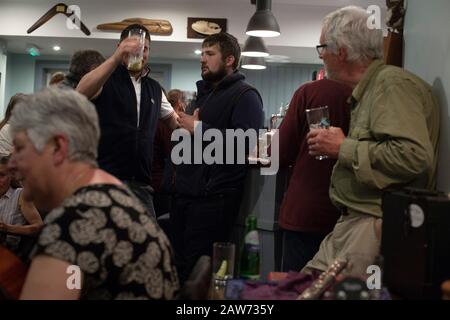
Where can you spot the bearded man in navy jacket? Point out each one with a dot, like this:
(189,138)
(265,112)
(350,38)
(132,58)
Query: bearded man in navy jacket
(208,196)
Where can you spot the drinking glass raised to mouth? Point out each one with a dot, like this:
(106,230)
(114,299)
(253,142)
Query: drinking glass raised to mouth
(135,60)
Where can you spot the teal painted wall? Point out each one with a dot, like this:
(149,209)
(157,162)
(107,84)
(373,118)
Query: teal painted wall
(19,75)
(185,73)
(276,84)
(427,54)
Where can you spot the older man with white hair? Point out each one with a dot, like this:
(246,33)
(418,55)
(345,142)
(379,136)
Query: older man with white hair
(98,240)
(393,137)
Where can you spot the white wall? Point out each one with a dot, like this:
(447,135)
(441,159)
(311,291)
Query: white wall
(427,54)
(300,25)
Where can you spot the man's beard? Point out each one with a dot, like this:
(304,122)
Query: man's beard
(214,76)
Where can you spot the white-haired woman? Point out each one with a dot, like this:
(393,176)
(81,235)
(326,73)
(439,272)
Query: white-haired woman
(94,223)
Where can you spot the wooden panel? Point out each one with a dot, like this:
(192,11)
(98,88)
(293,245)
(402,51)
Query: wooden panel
(393,49)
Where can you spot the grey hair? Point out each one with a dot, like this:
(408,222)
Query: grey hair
(348,27)
(52,112)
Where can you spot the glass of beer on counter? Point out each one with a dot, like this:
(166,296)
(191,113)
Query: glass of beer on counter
(222,267)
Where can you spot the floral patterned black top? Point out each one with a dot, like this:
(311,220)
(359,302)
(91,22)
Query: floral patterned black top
(120,249)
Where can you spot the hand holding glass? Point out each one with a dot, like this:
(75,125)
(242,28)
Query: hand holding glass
(318,118)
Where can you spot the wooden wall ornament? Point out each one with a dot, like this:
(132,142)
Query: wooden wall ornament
(154,26)
(393,49)
(57,9)
(198,28)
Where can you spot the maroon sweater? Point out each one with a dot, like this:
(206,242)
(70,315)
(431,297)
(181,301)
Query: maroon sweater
(306,206)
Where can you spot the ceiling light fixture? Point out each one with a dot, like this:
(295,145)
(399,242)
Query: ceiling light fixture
(278,59)
(198,52)
(255,47)
(56,48)
(253,63)
(263,22)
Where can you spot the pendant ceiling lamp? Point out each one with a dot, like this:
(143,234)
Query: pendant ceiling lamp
(263,22)
(253,63)
(255,47)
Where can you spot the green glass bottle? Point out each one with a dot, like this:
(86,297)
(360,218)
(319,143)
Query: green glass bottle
(250,251)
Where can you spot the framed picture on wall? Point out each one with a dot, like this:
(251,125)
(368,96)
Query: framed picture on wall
(198,28)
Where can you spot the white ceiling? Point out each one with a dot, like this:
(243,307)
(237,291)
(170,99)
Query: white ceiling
(172,49)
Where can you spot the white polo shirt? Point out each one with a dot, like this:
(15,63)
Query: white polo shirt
(166,108)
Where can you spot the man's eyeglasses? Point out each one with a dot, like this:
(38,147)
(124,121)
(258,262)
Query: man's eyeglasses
(321,48)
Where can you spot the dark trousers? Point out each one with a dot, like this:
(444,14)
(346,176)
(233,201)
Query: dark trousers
(162,202)
(144,193)
(299,248)
(199,222)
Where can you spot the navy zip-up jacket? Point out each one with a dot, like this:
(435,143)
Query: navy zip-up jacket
(126,149)
(233,104)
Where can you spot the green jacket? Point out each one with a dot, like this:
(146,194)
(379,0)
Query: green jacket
(392,142)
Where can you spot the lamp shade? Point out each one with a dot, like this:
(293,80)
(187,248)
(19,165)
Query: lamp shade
(253,63)
(255,47)
(263,22)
